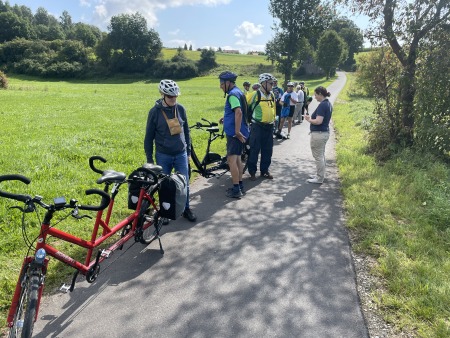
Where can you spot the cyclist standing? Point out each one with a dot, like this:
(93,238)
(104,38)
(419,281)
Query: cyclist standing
(168,129)
(236,129)
(261,139)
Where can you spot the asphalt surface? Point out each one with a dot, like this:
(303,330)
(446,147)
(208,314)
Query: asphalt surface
(276,263)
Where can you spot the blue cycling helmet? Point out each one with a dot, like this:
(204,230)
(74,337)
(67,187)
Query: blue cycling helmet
(227,76)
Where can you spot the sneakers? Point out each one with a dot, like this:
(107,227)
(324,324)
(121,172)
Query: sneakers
(288,135)
(187,213)
(252,177)
(233,194)
(314,180)
(267,175)
(312,176)
(165,221)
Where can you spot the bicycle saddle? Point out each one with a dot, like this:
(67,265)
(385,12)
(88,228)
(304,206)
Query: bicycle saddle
(111,176)
(157,169)
(213,129)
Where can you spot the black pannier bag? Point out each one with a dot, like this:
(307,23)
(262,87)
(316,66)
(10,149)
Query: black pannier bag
(134,188)
(172,196)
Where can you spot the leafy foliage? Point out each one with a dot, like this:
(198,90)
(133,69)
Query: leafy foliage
(207,60)
(331,51)
(43,58)
(404,26)
(432,104)
(296,19)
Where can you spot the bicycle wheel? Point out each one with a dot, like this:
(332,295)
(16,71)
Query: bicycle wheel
(23,321)
(145,221)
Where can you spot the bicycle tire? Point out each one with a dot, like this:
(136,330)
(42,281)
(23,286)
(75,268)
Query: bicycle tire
(148,234)
(30,314)
(23,322)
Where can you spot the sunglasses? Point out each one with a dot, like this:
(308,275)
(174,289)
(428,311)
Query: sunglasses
(170,96)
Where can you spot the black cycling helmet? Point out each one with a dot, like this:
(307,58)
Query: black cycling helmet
(246,83)
(227,76)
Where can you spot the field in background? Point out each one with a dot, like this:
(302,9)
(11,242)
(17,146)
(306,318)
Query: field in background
(221,58)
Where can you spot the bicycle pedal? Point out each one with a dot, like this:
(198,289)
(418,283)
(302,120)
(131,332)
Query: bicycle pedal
(64,288)
(106,253)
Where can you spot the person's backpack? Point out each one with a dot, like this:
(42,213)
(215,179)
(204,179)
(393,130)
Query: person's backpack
(251,107)
(172,196)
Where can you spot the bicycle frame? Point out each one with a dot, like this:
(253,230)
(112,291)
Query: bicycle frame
(212,164)
(91,267)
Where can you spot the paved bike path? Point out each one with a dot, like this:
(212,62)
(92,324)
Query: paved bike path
(276,263)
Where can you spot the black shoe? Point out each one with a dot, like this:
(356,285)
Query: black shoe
(233,194)
(187,213)
(165,221)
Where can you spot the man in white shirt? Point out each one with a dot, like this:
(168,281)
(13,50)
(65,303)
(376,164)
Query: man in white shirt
(298,113)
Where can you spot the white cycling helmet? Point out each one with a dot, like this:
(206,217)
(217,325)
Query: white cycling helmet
(265,77)
(169,87)
(290,84)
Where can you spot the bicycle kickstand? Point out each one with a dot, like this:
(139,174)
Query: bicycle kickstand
(65,288)
(161,250)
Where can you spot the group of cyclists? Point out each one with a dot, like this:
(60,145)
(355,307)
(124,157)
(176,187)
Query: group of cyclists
(250,118)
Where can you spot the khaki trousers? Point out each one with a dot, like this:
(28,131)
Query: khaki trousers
(318,142)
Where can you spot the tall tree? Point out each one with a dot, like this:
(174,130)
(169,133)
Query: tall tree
(352,35)
(135,43)
(295,19)
(66,21)
(403,25)
(331,51)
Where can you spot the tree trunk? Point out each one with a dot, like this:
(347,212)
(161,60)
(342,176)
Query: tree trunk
(407,93)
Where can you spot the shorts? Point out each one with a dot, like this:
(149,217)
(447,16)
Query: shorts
(291,111)
(285,112)
(234,146)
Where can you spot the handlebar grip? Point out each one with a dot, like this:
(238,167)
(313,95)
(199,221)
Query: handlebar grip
(214,124)
(103,204)
(91,163)
(17,197)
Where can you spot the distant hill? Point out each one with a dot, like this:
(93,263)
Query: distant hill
(221,58)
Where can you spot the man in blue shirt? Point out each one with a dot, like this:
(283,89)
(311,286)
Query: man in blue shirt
(236,130)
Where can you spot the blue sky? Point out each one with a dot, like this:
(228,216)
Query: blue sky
(244,25)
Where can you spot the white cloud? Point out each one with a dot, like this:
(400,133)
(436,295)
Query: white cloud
(245,47)
(248,30)
(105,9)
(85,3)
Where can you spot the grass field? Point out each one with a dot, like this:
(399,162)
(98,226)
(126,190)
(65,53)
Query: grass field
(221,58)
(398,213)
(48,131)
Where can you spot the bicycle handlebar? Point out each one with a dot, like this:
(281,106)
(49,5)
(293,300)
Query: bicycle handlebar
(27,198)
(17,197)
(199,125)
(211,124)
(103,204)
(91,163)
